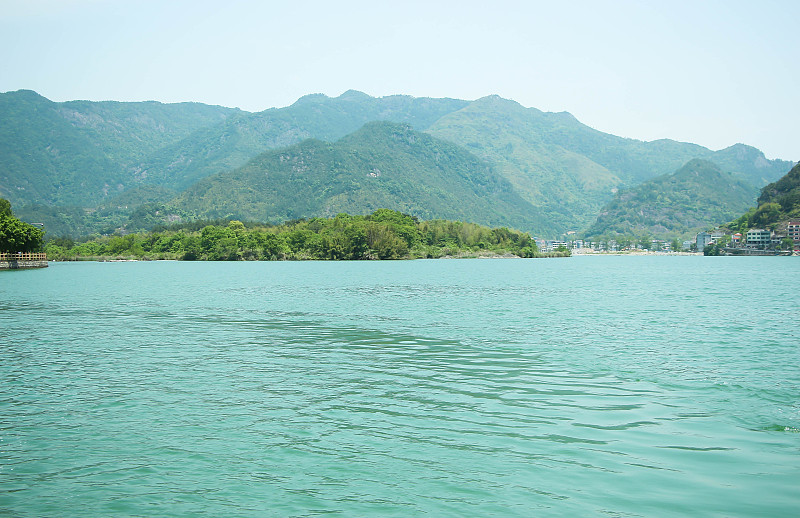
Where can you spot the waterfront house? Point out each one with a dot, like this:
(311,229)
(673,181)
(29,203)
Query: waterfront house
(793,231)
(758,238)
(703,239)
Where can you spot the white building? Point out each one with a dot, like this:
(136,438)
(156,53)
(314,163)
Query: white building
(703,239)
(758,238)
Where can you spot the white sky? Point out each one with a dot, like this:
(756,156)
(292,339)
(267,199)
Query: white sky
(710,72)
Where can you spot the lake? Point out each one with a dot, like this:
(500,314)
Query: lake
(589,386)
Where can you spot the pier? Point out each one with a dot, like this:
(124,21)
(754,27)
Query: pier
(16,261)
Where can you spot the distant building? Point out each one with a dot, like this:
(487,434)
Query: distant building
(736,239)
(793,231)
(758,238)
(703,239)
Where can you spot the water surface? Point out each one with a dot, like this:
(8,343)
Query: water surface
(621,386)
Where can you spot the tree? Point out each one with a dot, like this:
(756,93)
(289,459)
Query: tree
(16,235)
(767,214)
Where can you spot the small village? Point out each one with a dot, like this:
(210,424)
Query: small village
(756,241)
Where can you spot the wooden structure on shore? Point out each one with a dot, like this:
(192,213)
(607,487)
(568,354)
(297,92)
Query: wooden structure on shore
(15,261)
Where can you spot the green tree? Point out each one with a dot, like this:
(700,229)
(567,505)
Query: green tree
(712,249)
(16,235)
(766,215)
(5,207)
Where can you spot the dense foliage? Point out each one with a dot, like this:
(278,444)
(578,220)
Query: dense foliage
(15,235)
(679,205)
(385,234)
(778,203)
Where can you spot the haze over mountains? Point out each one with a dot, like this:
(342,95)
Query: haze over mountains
(84,167)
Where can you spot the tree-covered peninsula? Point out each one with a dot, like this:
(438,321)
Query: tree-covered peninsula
(384,234)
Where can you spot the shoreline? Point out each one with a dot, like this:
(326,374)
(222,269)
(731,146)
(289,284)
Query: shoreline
(635,252)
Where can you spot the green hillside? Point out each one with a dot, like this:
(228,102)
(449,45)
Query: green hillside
(778,203)
(566,188)
(382,165)
(568,170)
(635,161)
(81,152)
(697,196)
(232,143)
(785,192)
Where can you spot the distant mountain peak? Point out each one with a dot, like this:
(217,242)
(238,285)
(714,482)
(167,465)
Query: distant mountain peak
(699,163)
(28,95)
(354,95)
(349,95)
(310,98)
(743,151)
(496,100)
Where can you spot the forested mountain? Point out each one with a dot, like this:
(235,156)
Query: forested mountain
(569,170)
(381,165)
(785,192)
(232,143)
(566,188)
(81,152)
(778,203)
(86,166)
(676,205)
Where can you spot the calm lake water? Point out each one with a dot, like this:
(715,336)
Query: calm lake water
(590,386)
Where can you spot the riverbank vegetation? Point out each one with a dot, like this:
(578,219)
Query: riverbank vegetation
(384,234)
(15,235)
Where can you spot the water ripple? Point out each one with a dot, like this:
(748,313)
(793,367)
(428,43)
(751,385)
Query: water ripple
(441,388)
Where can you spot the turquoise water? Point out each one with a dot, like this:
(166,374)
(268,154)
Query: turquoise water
(590,386)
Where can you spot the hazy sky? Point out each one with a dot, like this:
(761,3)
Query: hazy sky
(710,72)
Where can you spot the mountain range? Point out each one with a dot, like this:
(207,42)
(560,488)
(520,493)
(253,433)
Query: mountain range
(83,167)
